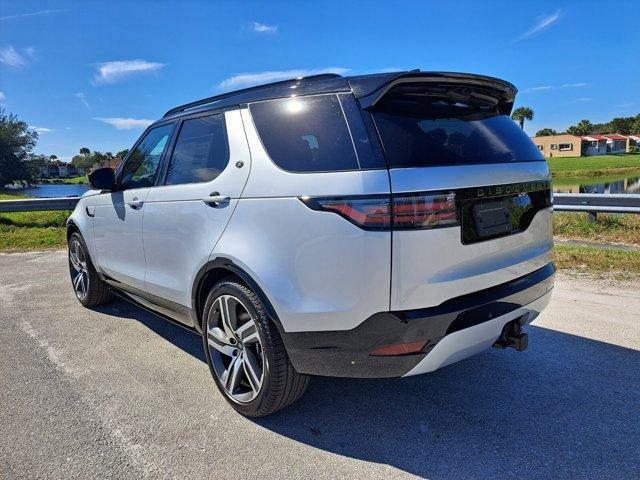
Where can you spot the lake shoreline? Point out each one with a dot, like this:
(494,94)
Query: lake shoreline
(48,190)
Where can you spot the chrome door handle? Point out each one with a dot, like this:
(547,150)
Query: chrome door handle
(135,203)
(215,199)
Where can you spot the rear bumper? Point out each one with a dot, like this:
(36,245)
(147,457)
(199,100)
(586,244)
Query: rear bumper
(454,330)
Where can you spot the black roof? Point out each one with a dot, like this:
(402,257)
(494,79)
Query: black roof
(367,88)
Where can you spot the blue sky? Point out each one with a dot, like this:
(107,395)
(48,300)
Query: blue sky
(95,73)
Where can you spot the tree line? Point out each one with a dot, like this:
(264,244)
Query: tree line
(622,125)
(18,162)
(87,159)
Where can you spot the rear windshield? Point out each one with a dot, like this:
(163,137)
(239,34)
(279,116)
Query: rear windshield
(305,134)
(424,138)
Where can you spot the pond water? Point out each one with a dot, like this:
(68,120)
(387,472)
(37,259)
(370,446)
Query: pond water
(46,190)
(604,185)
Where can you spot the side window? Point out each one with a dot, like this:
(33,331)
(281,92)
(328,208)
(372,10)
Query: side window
(305,134)
(142,164)
(201,152)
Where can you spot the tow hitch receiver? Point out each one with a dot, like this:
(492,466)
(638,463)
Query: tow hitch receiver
(512,336)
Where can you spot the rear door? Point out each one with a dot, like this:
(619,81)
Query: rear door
(117,222)
(471,194)
(204,176)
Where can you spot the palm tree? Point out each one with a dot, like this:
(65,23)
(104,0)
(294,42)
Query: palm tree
(521,114)
(545,132)
(85,151)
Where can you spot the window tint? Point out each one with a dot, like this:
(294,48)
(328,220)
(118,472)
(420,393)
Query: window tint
(416,141)
(142,164)
(305,134)
(201,152)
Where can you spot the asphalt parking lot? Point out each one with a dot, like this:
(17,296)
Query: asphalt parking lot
(119,393)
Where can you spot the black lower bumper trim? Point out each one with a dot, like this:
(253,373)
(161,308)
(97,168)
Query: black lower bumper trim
(346,353)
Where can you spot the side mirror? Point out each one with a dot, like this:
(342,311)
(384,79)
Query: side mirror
(102,179)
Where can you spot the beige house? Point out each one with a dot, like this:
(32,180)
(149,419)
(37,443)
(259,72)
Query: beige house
(559,145)
(566,145)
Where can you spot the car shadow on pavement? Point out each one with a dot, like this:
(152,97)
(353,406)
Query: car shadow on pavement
(182,338)
(568,406)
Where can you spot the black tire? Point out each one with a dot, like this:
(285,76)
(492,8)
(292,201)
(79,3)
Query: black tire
(281,384)
(96,291)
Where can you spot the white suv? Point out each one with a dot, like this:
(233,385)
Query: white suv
(373,226)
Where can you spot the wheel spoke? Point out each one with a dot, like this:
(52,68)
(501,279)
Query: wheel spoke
(231,377)
(216,339)
(228,314)
(252,370)
(247,332)
(73,256)
(77,281)
(82,261)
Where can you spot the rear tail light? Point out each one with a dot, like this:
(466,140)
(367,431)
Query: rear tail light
(407,211)
(424,210)
(370,212)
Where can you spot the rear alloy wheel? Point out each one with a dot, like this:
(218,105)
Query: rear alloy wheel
(235,348)
(245,352)
(90,290)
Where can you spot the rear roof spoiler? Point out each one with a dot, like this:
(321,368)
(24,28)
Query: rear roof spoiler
(370,89)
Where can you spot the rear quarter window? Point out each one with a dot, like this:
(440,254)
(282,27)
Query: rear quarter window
(305,134)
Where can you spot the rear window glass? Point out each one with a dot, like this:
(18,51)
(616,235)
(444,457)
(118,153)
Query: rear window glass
(305,134)
(424,139)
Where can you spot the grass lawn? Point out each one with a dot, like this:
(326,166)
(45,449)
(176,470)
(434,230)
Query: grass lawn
(598,261)
(31,230)
(75,180)
(595,166)
(610,227)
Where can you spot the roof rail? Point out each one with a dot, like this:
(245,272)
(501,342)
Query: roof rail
(205,101)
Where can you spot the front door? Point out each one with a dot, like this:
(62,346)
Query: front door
(117,222)
(185,217)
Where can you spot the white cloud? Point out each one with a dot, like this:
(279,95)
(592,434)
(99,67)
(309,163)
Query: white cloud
(111,72)
(249,79)
(621,105)
(264,28)
(125,123)
(31,14)
(542,88)
(583,99)
(538,89)
(40,129)
(2,96)
(10,57)
(541,24)
(388,70)
(80,96)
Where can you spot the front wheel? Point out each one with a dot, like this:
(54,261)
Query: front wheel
(245,352)
(90,290)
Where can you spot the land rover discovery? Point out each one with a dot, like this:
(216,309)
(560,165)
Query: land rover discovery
(369,226)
